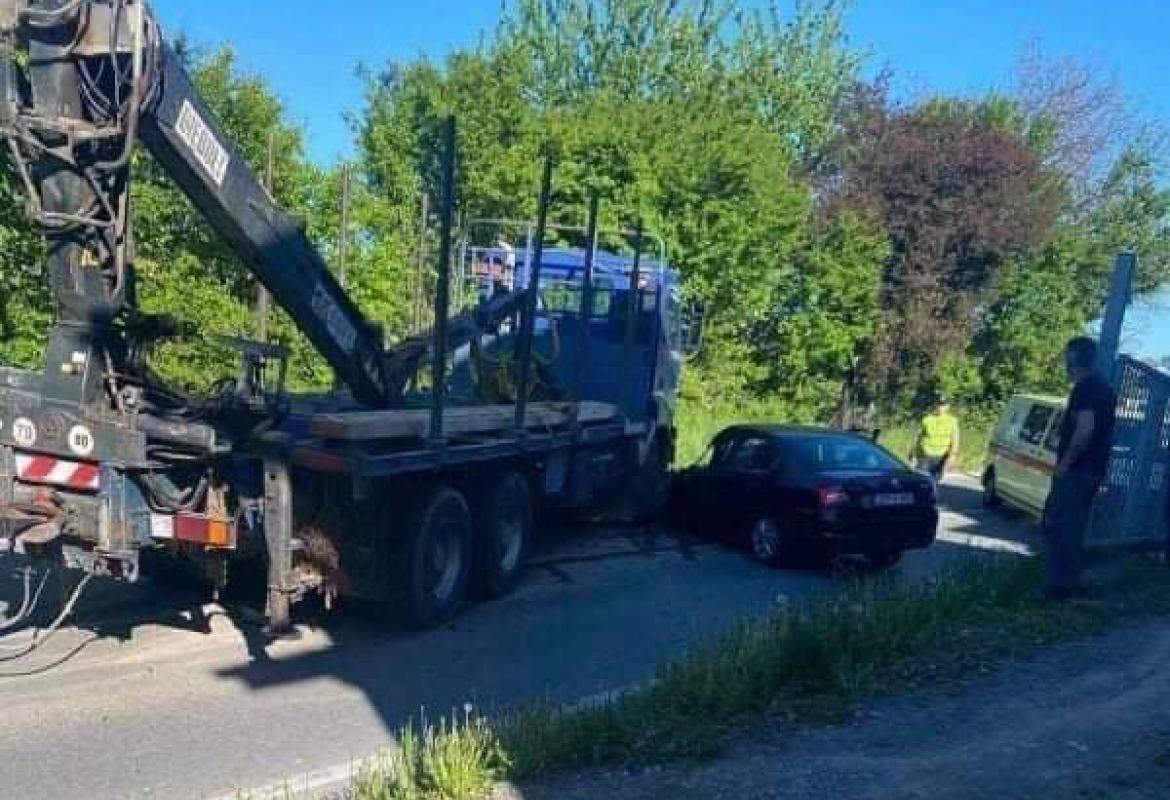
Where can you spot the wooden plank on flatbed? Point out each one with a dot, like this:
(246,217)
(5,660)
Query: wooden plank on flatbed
(457,421)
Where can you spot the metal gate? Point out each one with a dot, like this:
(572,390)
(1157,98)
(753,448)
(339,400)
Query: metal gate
(1132,507)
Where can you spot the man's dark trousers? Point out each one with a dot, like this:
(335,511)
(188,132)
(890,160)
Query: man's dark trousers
(1066,519)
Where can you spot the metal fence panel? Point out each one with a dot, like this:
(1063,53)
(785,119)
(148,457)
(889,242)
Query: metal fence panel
(1132,506)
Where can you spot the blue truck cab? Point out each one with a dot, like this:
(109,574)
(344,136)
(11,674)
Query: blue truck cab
(632,355)
(627,350)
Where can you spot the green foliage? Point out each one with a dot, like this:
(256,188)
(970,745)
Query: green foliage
(825,314)
(704,412)
(25,306)
(1052,293)
(186,270)
(959,380)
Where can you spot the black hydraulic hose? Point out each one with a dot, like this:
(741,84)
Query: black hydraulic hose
(41,637)
(138,91)
(16,618)
(165,497)
(29,605)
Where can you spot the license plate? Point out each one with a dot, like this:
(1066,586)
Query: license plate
(893,500)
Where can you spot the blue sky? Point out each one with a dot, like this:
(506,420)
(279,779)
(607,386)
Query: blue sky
(310,50)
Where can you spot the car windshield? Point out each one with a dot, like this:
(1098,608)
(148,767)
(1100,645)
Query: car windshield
(828,453)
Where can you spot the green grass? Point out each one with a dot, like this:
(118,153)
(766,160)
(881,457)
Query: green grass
(698,424)
(454,760)
(810,661)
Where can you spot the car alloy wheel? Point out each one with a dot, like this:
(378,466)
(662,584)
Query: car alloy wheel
(766,540)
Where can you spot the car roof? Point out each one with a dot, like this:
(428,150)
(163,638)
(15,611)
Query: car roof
(784,431)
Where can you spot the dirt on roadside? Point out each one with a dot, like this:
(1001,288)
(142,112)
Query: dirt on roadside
(1084,721)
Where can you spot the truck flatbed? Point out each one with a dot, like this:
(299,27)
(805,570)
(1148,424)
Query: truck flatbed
(373,444)
(360,426)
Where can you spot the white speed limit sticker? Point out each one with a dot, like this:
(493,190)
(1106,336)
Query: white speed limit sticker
(81,440)
(24,432)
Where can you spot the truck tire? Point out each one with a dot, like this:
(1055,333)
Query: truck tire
(503,531)
(433,560)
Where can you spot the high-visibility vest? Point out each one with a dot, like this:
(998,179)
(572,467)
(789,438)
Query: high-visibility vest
(938,434)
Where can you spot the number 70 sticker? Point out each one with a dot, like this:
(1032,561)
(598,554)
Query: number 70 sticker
(24,432)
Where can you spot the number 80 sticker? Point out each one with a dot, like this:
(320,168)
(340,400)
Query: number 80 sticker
(81,440)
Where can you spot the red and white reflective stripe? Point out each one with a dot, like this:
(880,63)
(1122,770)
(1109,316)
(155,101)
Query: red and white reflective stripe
(58,472)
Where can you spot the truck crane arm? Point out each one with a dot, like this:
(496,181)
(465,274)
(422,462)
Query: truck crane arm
(81,81)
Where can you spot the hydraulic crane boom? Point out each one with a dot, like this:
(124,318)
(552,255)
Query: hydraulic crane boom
(183,136)
(80,82)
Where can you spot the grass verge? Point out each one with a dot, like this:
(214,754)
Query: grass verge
(453,760)
(811,661)
(698,424)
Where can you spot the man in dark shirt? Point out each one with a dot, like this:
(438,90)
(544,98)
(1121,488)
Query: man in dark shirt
(1085,444)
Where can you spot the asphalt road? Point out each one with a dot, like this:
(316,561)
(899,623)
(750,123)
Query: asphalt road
(150,696)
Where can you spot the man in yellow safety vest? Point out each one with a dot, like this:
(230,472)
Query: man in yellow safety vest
(938,441)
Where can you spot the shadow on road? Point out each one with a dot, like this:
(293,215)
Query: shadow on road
(969,525)
(397,667)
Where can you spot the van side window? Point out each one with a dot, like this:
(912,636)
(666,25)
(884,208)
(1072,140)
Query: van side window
(1015,420)
(1036,425)
(1052,442)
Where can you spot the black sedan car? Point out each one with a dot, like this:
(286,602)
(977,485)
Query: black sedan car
(782,490)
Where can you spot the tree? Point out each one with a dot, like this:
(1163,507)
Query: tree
(960,195)
(825,315)
(1077,118)
(185,269)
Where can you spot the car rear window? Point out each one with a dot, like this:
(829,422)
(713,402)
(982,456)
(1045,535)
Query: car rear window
(829,453)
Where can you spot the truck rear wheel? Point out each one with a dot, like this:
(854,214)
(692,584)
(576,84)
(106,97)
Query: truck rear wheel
(504,520)
(433,560)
